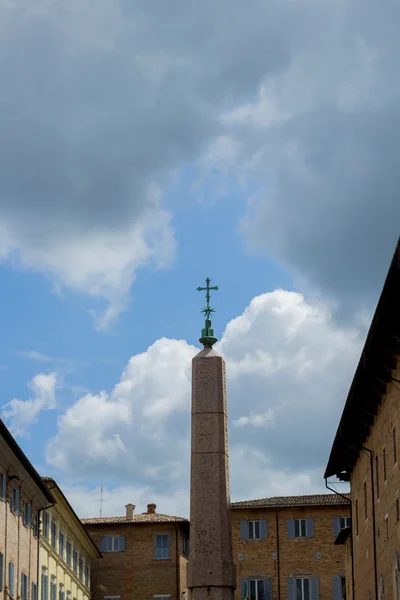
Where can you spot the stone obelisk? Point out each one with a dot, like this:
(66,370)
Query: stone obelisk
(211,571)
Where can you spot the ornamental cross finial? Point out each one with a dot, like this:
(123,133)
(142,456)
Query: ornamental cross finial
(207,334)
(207,310)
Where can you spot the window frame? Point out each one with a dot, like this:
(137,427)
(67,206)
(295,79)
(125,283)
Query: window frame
(300,523)
(303,579)
(80,567)
(27,514)
(252,526)
(53,534)
(87,574)
(61,542)
(14,500)
(2,571)
(162,549)
(46,525)
(24,586)
(346,522)
(11,579)
(256,581)
(68,555)
(75,553)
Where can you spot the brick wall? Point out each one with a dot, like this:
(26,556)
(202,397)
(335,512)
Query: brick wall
(380,441)
(294,557)
(135,574)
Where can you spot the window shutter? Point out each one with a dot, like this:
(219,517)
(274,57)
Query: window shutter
(11,579)
(291,586)
(243,583)
(314,588)
(263,527)
(244,530)
(1,571)
(17,502)
(336,525)
(121,543)
(268,589)
(310,527)
(336,588)
(102,543)
(290,529)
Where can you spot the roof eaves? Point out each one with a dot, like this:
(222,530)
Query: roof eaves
(23,459)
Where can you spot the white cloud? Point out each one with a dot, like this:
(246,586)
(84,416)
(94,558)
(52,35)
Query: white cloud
(288,365)
(21,413)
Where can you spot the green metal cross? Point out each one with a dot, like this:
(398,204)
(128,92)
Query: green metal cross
(207,310)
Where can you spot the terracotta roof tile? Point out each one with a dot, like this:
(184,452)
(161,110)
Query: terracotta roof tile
(277,501)
(139,518)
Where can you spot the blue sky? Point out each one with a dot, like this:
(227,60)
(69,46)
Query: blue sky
(259,152)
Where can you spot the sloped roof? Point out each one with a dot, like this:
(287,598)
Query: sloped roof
(293,501)
(54,485)
(137,519)
(373,373)
(29,468)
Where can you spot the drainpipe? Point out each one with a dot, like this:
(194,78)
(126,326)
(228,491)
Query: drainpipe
(177,562)
(351,537)
(277,552)
(38,541)
(371,462)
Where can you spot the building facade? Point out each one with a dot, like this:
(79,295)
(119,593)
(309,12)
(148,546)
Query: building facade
(284,547)
(23,496)
(144,556)
(366,452)
(66,551)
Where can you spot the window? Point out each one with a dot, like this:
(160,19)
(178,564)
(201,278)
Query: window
(87,575)
(300,528)
(61,594)
(343,588)
(11,580)
(384,465)
(34,591)
(61,543)
(36,526)
(303,589)
(112,544)
(253,530)
(394,445)
(162,547)
(14,501)
(68,551)
(68,595)
(256,589)
(387,527)
(365,501)
(75,561)
(185,545)
(377,476)
(81,568)
(24,586)
(3,486)
(161,596)
(345,522)
(357,517)
(27,516)
(53,588)
(45,585)
(1,571)
(46,524)
(53,533)
(397,509)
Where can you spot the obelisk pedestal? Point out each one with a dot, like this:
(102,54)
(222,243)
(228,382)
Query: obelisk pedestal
(211,571)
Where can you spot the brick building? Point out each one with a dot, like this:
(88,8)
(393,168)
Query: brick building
(144,556)
(284,547)
(22,496)
(66,551)
(366,452)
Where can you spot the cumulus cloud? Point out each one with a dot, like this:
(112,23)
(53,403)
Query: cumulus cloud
(103,102)
(19,414)
(288,367)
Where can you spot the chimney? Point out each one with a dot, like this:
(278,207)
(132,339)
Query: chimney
(151,509)
(130,508)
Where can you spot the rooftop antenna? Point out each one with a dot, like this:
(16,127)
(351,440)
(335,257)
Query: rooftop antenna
(101,501)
